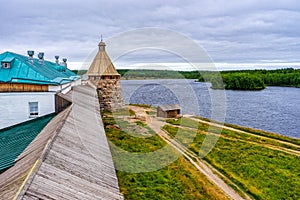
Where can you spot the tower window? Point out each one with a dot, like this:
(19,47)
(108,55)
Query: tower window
(33,109)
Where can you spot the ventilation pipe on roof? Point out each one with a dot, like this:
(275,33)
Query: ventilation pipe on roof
(64,64)
(56,60)
(30,54)
(41,57)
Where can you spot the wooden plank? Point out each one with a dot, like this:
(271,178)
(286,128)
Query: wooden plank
(48,173)
(78,162)
(11,180)
(61,103)
(22,87)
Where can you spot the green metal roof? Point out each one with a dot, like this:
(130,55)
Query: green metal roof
(15,139)
(8,59)
(22,70)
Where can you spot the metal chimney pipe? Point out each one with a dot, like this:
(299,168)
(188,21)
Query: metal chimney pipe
(41,57)
(30,54)
(64,63)
(56,59)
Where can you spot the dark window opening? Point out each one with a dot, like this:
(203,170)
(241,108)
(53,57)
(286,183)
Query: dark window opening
(33,109)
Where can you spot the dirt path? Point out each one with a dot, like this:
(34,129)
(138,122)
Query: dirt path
(211,173)
(283,149)
(141,112)
(208,171)
(278,148)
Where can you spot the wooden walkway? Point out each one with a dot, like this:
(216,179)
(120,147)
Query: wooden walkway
(70,158)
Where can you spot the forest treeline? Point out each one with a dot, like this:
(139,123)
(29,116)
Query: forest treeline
(158,74)
(252,79)
(152,74)
(235,80)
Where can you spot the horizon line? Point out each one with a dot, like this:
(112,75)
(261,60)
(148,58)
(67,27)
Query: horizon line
(188,67)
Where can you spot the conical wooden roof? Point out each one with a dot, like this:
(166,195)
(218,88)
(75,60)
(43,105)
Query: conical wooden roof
(102,65)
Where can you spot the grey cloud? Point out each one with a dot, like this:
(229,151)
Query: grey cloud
(230,31)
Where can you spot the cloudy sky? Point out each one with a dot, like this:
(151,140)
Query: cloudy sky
(248,31)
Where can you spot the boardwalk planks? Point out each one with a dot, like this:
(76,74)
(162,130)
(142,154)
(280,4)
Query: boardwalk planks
(75,159)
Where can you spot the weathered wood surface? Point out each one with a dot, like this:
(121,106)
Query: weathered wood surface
(77,162)
(20,87)
(61,102)
(12,179)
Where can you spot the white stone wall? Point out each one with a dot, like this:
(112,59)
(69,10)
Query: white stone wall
(14,107)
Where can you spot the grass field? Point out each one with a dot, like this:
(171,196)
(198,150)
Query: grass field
(257,132)
(253,163)
(179,180)
(262,164)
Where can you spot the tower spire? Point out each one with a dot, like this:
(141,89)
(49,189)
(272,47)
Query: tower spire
(101,44)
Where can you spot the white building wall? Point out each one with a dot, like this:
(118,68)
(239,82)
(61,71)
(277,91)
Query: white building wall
(14,107)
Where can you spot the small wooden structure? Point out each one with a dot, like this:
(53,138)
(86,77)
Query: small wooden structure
(168,111)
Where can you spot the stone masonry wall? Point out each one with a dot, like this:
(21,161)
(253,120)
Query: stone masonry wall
(110,94)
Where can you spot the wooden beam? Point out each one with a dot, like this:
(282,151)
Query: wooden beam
(22,87)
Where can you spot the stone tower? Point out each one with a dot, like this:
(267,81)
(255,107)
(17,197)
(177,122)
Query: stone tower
(103,74)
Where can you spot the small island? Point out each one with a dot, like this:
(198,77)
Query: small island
(252,79)
(238,81)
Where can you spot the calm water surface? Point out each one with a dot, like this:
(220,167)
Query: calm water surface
(275,109)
